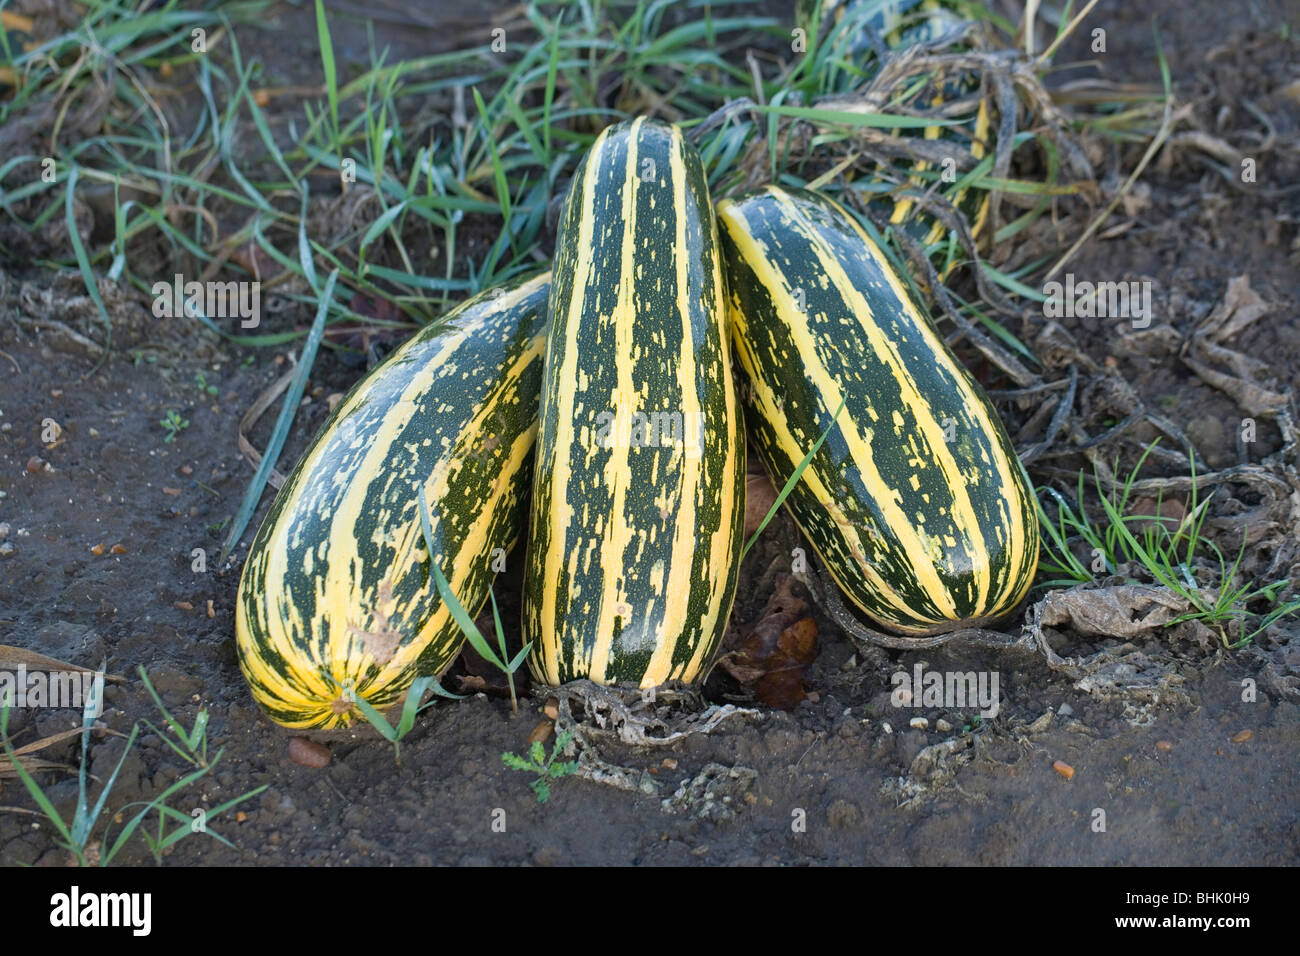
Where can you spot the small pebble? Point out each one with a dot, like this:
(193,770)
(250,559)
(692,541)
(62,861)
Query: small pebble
(1241,736)
(541,733)
(6,549)
(884,725)
(117,549)
(211,611)
(1164,745)
(308,753)
(34,464)
(1065,710)
(942,726)
(551,708)
(4,530)
(183,605)
(171,491)
(919,723)
(98,549)
(186,470)
(670,763)
(1064,769)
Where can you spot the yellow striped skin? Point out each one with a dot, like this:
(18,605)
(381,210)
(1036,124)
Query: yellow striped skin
(916,503)
(900,24)
(635,531)
(336,596)
(973,202)
(897,23)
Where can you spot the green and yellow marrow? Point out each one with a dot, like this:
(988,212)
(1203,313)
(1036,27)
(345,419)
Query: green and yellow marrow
(638,494)
(916,503)
(896,23)
(336,600)
(899,24)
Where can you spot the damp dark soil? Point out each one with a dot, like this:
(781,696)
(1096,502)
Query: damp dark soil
(100,565)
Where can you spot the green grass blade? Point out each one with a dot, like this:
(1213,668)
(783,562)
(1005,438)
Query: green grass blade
(331,74)
(33,788)
(791,482)
(458,612)
(83,264)
(282,425)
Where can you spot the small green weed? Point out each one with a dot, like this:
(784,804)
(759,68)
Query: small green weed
(173,425)
(202,383)
(547,768)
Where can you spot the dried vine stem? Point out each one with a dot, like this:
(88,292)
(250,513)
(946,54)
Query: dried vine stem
(826,594)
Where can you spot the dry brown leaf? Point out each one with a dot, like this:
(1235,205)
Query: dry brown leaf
(473,684)
(32,765)
(773,657)
(1125,611)
(759,495)
(255,411)
(14,657)
(49,741)
(1240,307)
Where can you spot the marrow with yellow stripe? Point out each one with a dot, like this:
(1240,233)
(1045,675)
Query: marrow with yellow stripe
(916,502)
(898,24)
(895,23)
(921,224)
(336,600)
(638,493)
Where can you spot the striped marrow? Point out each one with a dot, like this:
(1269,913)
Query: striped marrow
(974,203)
(916,503)
(336,596)
(638,494)
(896,23)
(899,24)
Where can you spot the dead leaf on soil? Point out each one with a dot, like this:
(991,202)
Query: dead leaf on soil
(32,765)
(655,717)
(772,658)
(256,261)
(1125,611)
(484,677)
(1241,307)
(12,658)
(255,411)
(375,307)
(759,496)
